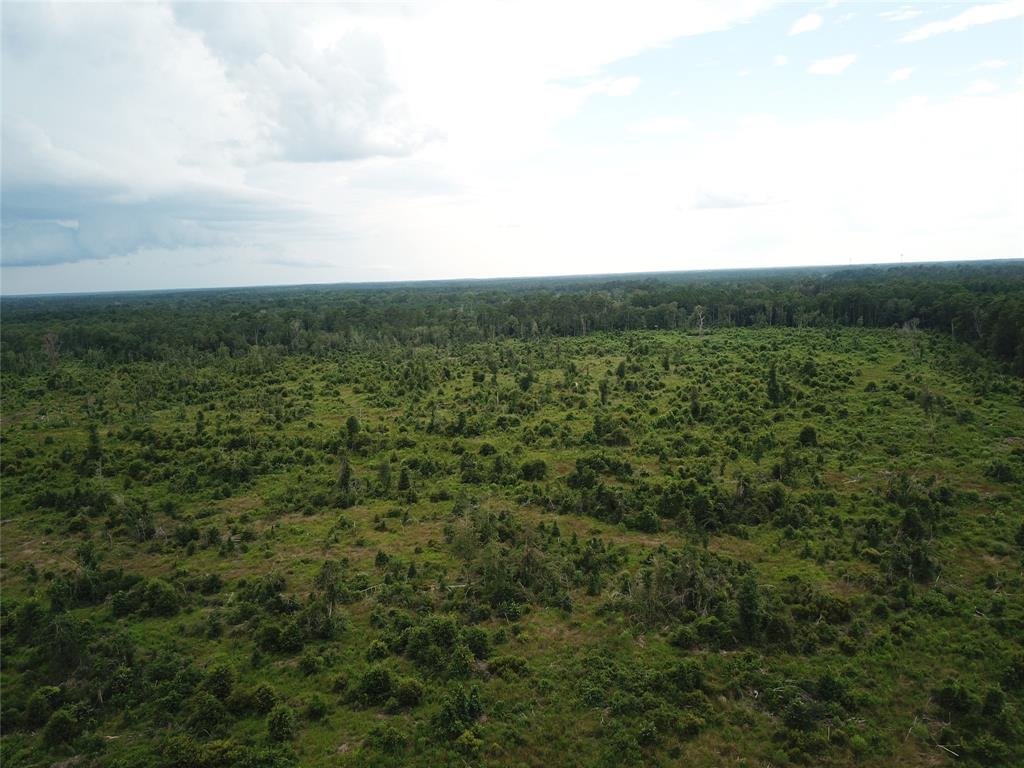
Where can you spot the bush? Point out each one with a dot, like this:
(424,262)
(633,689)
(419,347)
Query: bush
(385,738)
(1000,471)
(468,744)
(219,680)
(808,436)
(409,692)
(39,706)
(206,714)
(375,685)
(460,709)
(160,598)
(684,637)
(281,723)
(534,470)
(461,662)
(316,707)
(62,727)
(377,651)
(478,641)
(508,667)
(311,663)
(687,675)
(264,697)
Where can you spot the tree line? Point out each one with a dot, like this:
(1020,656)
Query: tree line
(981,304)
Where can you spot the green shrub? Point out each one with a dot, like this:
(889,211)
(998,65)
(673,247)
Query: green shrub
(281,723)
(375,685)
(377,651)
(408,691)
(219,679)
(206,714)
(460,709)
(62,727)
(534,470)
(39,706)
(386,738)
(316,708)
(160,598)
(808,436)
(310,663)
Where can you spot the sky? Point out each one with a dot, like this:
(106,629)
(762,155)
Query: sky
(152,145)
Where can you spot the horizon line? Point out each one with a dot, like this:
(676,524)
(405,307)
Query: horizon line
(423,282)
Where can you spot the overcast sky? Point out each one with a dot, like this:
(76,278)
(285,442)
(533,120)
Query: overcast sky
(155,145)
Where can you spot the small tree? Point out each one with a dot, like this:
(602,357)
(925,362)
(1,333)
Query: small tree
(281,723)
(808,436)
(774,390)
(330,583)
(750,608)
(62,727)
(352,427)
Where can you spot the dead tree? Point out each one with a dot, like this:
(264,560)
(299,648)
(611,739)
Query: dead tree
(698,313)
(51,346)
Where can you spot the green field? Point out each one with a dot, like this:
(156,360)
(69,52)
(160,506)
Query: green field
(717,545)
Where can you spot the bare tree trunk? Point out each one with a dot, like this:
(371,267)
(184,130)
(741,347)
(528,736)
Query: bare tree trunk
(51,345)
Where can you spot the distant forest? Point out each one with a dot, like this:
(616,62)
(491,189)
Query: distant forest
(979,303)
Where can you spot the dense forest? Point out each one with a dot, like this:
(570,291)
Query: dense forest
(739,518)
(981,303)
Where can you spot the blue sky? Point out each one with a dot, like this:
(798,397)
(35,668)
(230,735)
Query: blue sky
(155,145)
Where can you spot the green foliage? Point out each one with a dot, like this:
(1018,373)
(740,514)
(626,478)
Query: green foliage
(62,726)
(281,723)
(460,709)
(427,502)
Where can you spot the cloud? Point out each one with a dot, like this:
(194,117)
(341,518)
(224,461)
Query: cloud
(278,124)
(901,14)
(660,126)
(717,200)
(981,87)
(106,150)
(780,60)
(59,217)
(979,14)
(808,23)
(338,102)
(990,64)
(621,86)
(216,144)
(834,66)
(901,74)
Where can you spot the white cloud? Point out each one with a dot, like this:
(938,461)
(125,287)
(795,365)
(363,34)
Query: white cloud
(981,87)
(901,14)
(780,60)
(332,102)
(297,144)
(834,66)
(979,14)
(622,86)
(990,64)
(705,199)
(901,74)
(660,126)
(287,127)
(808,23)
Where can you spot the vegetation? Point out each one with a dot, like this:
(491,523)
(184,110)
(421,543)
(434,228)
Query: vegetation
(727,519)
